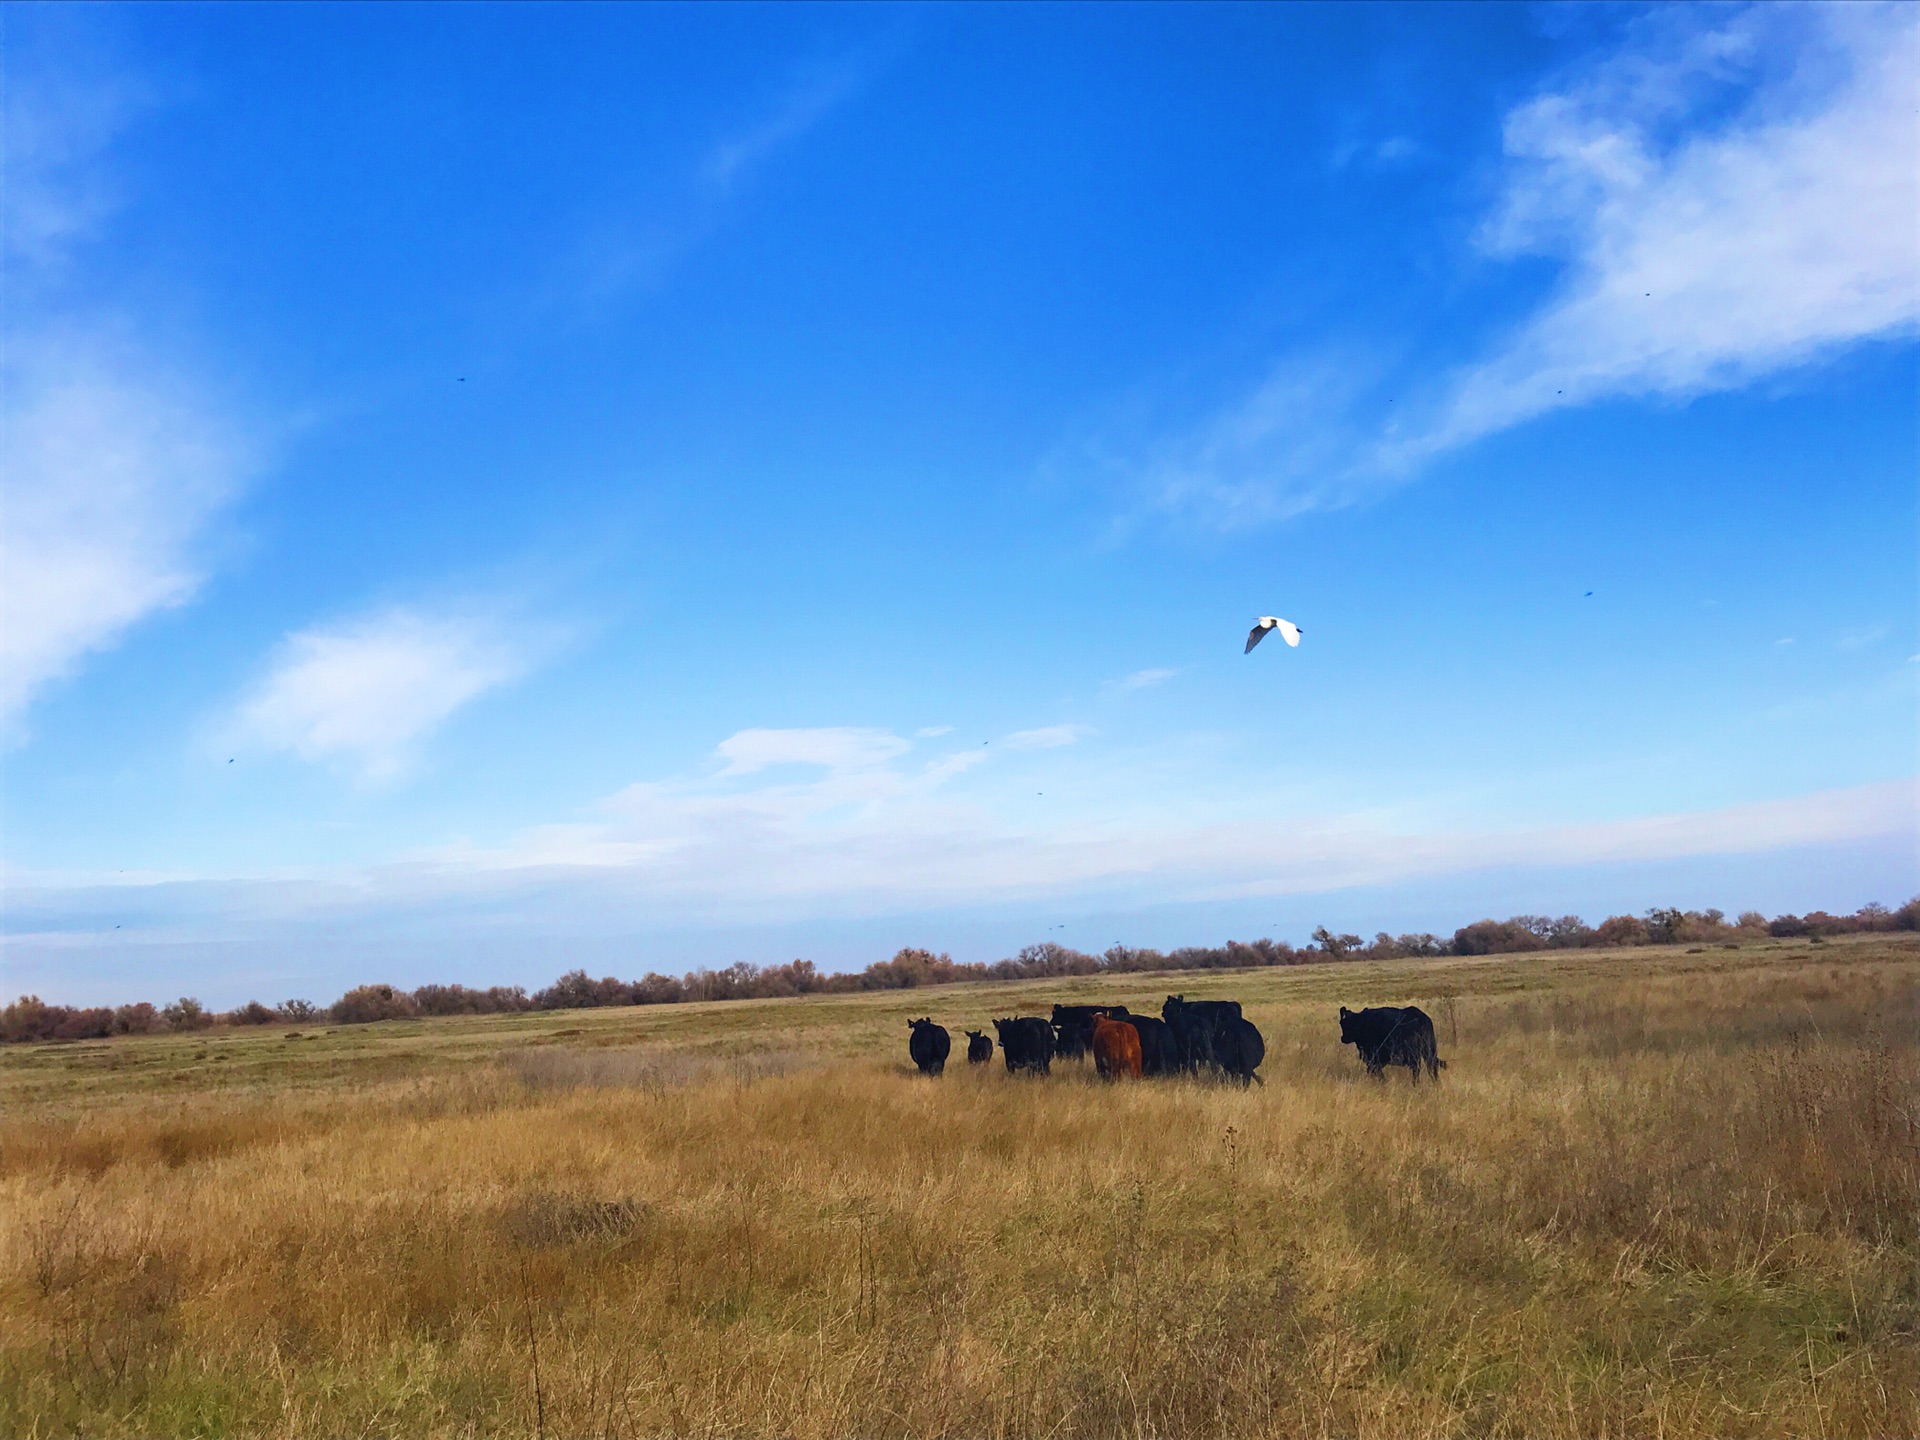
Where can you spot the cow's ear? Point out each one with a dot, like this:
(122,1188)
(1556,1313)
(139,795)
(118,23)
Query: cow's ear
(1344,1012)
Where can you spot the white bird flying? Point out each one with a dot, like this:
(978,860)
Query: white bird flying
(1289,632)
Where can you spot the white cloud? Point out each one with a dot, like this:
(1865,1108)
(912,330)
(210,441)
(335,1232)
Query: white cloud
(1732,197)
(859,835)
(1861,637)
(878,841)
(365,693)
(1047,737)
(1145,679)
(110,482)
(1730,193)
(112,465)
(838,748)
(932,732)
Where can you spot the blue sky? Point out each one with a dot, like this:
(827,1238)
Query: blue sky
(496,488)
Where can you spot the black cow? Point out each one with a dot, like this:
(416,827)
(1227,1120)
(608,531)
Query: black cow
(1027,1044)
(1159,1055)
(1073,1027)
(979,1047)
(1238,1048)
(1389,1035)
(1195,1025)
(929,1045)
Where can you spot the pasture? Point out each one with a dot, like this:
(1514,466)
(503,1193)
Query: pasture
(1655,1193)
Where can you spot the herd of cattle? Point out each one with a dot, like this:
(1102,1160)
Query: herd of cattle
(1188,1037)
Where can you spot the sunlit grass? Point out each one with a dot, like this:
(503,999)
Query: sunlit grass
(1656,1193)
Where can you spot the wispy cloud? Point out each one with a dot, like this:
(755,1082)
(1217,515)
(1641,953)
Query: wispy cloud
(1732,197)
(838,749)
(798,111)
(890,839)
(1144,679)
(788,826)
(365,693)
(1861,637)
(620,252)
(876,841)
(1730,193)
(111,481)
(114,461)
(1047,737)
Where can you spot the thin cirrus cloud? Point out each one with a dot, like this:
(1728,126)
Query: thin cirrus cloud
(1730,194)
(834,748)
(874,830)
(804,105)
(364,694)
(1145,679)
(117,462)
(1047,737)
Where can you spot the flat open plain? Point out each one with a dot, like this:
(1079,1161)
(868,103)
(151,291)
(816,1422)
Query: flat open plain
(1658,1192)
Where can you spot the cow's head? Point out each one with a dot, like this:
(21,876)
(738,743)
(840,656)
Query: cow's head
(1347,1017)
(923,1020)
(976,1034)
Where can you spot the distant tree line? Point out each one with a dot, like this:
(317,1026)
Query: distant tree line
(30,1018)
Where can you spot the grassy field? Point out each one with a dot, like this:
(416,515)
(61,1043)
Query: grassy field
(1657,1193)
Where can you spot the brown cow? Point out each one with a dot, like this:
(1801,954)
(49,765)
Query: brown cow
(1116,1049)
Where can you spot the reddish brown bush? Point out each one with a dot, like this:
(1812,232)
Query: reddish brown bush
(1623,930)
(139,1019)
(367,1004)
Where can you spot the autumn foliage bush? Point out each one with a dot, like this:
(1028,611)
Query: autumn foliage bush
(30,1018)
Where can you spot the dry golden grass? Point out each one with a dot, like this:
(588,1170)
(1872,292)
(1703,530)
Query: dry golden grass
(1656,1194)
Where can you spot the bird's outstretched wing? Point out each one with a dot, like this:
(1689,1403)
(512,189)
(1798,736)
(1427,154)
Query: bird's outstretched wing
(1289,632)
(1255,636)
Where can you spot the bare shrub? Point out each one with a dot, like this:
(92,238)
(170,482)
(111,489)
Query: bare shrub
(1496,937)
(139,1019)
(186,1013)
(93,1024)
(368,1004)
(1622,930)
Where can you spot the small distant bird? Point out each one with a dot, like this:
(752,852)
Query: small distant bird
(1289,632)
(229,760)
(1589,594)
(461,379)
